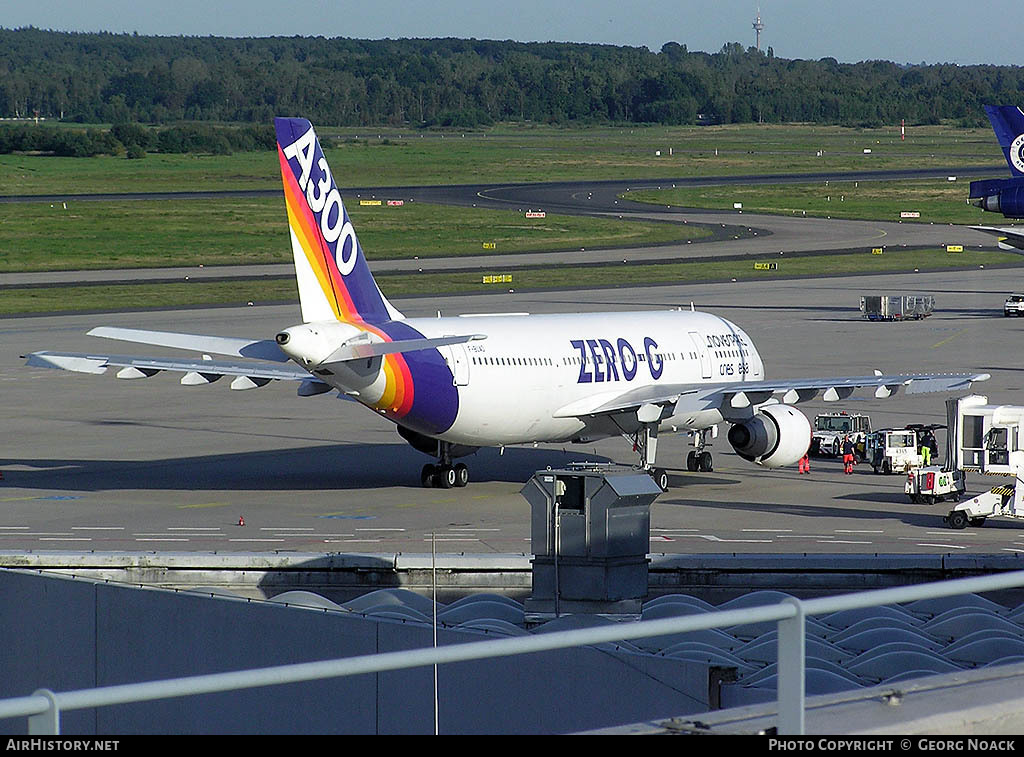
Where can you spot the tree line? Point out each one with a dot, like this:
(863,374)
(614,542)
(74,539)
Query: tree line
(122,78)
(135,140)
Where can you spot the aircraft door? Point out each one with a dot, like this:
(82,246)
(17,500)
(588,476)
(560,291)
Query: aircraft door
(997,449)
(702,353)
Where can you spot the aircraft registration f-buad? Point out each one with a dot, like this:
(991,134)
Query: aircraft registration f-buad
(452,385)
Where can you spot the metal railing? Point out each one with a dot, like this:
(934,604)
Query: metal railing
(44,707)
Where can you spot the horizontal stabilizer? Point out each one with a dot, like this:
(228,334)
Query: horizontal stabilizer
(90,363)
(1010,237)
(258,349)
(364,350)
(67,362)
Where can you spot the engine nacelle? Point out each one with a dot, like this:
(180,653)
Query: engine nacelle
(777,435)
(1004,196)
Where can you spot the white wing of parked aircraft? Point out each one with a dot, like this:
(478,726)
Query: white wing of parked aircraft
(452,385)
(1010,237)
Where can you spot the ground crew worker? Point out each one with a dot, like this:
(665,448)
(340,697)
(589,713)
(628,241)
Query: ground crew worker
(926,453)
(847,455)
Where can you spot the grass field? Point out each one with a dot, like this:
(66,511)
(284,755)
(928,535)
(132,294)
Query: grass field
(937,200)
(141,233)
(369,157)
(197,293)
(102,235)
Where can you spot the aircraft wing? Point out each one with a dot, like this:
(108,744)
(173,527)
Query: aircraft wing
(682,398)
(1010,237)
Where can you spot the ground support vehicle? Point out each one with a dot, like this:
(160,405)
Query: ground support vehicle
(929,484)
(1014,305)
(831,428)
(987,439)
(901,307)
(892,450)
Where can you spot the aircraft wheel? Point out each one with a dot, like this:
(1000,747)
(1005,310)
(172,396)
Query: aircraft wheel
(427,475)
(446,477)
(706,463)
(691,461)
(957,519)
(461,475)
(660,476)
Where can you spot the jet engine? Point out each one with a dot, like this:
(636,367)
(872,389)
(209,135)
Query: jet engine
(1004,196)
(777,435)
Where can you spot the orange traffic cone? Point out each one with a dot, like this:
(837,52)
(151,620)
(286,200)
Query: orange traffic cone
(241,520)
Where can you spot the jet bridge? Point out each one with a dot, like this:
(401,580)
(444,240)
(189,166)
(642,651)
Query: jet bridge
(987,439)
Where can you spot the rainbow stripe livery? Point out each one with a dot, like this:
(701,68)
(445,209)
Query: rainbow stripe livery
(335,285)
(334,280)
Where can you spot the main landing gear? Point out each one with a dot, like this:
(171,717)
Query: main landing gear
(646,444)
(700,459)
(444,475)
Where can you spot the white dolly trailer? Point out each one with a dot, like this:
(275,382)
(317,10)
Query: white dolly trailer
(987,439)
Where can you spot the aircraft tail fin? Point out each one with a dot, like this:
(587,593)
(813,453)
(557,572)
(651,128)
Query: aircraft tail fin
(334,279)
(1008,123)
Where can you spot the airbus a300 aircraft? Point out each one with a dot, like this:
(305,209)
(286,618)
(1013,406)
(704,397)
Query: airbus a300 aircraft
(452,385)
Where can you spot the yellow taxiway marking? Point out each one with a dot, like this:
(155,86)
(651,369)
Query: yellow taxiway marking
(950,338)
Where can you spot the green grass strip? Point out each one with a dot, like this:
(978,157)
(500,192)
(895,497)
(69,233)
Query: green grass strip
(231,231)
(197,293)
(389,157)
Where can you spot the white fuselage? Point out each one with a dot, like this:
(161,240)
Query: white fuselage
(534,376)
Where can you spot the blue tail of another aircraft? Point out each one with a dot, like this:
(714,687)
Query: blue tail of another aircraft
(1004,196)
(1008,123)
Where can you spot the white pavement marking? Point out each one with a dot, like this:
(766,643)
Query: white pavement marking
(852,531)
(729,541)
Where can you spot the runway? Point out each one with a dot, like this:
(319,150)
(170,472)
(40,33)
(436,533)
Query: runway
(93,463)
